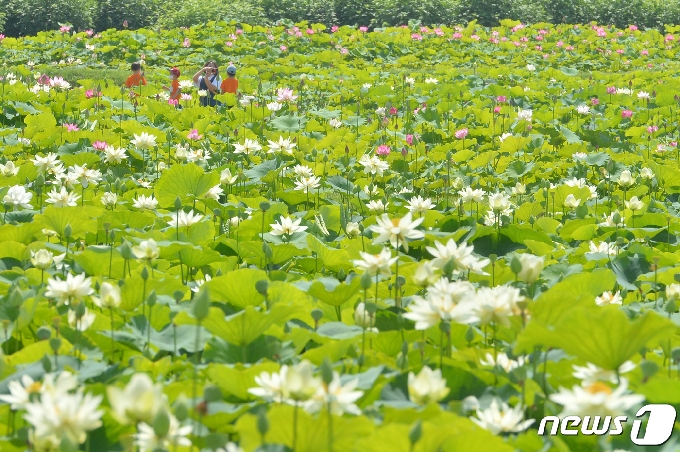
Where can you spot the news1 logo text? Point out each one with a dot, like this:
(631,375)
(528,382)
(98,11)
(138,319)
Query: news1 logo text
(658,431)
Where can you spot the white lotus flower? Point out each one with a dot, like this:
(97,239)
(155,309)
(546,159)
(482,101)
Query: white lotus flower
(373,164)
(109,296)
(17,196)
(287,226)
(352,229)
(597,399)
(491,306)
(470,195)
(147,440)
(62,198)
(274,106)
(531,67)
(42,259)
(145,202)
(531,267)
(109,199)
(591,373)
(583,109)
(571,202)
(376,263)
(502,419)
(299,383)
(227,178)
(609,249)
(608,298)
(335,123)
(431,81)
(498,202)
(144,141)
(248,147)
(64,415)
(303,171)
(84,322)
(9,169)
(424,274)
(519,189)
(397,230)
(181,218)
(376,206)
(340,397)
(502,361)
(138,402)
(609,219)
(147,249)
(420,205)
(647,173)
(461,255)
(363,318)
(114,155)
(626,179)
(634,204)
(284,145)
(643,95)
(46,163)
(214,193)
(307,183)
(673,291)
(524,114)
(72,290)
(445,300)
(427,387)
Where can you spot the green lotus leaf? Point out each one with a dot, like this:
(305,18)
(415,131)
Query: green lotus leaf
(188,182)
(237,288)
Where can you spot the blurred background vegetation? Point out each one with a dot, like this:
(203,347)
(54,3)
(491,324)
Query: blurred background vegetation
(28,17)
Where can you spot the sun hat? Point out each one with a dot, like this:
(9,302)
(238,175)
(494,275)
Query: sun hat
(174,71)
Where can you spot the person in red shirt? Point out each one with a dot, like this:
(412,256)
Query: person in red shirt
(137,77)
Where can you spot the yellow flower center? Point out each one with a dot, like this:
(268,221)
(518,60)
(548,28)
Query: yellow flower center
(34,388)
(599,387)
(395,222)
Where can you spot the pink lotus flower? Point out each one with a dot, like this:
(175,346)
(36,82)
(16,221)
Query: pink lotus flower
(71,127)
(644,52)
(424,30)
(438,32)
(393,111)
(185,96)
(462,133)
(344,51)
(64,28)
(125,23)
(383,149)
(363,29)
(173,101)
(228,43)
(674,144)
(626,114)
(409,139)
(669,38)
(595,101)
(2,36)
(497,109)
(283,48)
(309,31)
(193,135)
(285,94)
(652,129)
(334,28)
(620,51)
(633,28)
(501,99)
(99,145)
(404,152)
(475,37)
(570,48)
(416,37)
(239,32)
(186,43)
(89,33)
(611,90)
(559,44)
(89,94)
(457,35)
(539,48)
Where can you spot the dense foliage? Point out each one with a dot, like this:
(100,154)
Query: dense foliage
(28,17)
(409,239)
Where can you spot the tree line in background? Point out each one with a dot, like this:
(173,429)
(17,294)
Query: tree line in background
(28,17)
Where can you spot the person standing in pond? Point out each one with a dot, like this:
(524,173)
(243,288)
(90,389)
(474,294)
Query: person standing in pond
(208,79)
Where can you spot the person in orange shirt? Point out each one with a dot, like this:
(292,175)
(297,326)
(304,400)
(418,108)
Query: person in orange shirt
(137,77)
(230,84)
(174,86)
